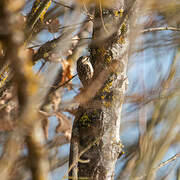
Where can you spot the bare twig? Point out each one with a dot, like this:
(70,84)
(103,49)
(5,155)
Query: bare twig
(80,154)
(102,20)
(160,165)
(160,29)
(57,87)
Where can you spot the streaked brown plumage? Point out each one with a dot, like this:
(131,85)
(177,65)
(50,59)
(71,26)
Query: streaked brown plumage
(84,70)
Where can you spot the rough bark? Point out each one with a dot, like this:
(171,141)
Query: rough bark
(97,122)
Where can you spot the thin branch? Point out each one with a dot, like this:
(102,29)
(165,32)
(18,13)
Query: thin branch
(57,87)
(80,154)
(43,64)
(102,20)
(75,39)
(168,161)
(160,29)
(160,165)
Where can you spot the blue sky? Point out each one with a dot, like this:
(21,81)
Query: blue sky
(144,68)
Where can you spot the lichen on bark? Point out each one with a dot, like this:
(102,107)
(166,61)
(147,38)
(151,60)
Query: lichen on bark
(108,50)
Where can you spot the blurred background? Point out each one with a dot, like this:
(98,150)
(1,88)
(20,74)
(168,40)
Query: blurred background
(150,125)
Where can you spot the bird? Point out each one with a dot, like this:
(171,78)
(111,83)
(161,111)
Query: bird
(85,70)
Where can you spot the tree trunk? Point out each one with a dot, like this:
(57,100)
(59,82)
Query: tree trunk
(95,143)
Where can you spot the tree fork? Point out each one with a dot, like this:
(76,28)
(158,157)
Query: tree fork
(102,121)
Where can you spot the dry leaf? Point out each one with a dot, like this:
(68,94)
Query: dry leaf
(64,125)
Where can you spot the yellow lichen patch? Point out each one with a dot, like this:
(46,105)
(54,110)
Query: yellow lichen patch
(121,147)
(113,97)
(37,5)
(104,54)
(118,13)
(4,75)
(101,51)
(45,10)
(3,80)
(102,97)
(107,87)
(121,12)
(123,28)
(123,31)
(46,55)
(107,104)
(121,153)
(85,121)
(121,40)
(108,59)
